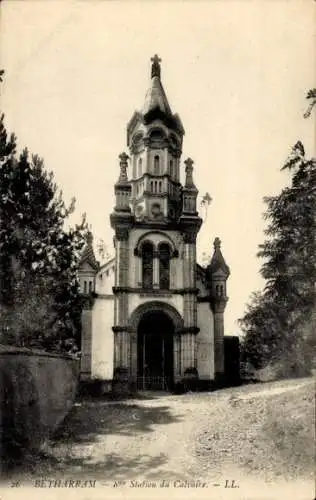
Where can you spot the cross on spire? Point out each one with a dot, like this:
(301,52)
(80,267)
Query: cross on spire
(155,67)
(217,243)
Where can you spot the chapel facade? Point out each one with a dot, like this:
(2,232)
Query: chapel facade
(152,315)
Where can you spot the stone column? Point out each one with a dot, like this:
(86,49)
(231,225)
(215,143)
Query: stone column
(177,357)
(188,337)
(139,271)
(219,307)
(188,354)
(121,335)
(121,348)
(86,341)
(133,358)
(156,270)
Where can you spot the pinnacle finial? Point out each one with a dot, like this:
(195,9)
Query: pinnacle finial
(123,166)
(189,172)
(217,243)
(189,163)
(155,67)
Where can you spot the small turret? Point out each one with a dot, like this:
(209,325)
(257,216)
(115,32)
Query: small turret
(88,267)
(123,188)
(217,273)
(189,191)
(121,218)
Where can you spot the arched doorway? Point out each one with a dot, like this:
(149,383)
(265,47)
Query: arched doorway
(155,339)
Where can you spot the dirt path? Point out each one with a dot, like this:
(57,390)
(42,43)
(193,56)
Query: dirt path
(252,433)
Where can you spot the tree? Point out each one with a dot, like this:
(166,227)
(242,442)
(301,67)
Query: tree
(39,292)
(278,322)
(311,97)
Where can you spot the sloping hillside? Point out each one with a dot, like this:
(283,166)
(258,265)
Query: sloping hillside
(266,430)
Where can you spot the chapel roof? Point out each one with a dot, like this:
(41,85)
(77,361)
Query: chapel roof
(156,104)
(88,253)
(156,98)
(218,262)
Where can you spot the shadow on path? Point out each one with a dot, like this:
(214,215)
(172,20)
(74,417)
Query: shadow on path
(90,419)
(79,447)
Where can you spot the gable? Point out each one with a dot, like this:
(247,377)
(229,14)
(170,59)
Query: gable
(86,267)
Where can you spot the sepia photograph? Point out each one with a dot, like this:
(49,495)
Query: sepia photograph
(157,249)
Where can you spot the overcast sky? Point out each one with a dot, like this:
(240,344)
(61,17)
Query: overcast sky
(236,72)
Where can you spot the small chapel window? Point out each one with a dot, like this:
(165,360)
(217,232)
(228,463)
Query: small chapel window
(171,168)
(84,287)
(90,286)
(164,266)
(147,265)
(156,165)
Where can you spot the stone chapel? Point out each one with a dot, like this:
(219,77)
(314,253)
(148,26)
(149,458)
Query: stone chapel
(152,315)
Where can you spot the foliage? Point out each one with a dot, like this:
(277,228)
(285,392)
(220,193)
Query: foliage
(205,203)
(103,250)
(277,323)
(311,97)
(39,292)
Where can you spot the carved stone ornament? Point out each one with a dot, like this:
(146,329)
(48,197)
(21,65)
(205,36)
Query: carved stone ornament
(121,233)
(189,237)
(156,211)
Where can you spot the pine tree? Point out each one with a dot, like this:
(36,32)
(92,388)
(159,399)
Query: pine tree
(39,291)
(277,323)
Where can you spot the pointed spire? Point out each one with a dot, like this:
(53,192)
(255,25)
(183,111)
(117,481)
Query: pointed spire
(218,261)
(88,252)
(156,97)
(155,67)
(217,244)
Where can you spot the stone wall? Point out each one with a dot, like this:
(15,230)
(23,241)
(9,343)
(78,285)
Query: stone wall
(37,390)
(102,354)
(205,342)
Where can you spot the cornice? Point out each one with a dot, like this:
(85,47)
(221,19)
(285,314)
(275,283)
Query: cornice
(155,292)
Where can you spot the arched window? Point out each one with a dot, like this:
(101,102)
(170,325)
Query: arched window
(140,167)
(84,287)
(147,265)
(164,266)
(90,286)
(171,168)
(156,165)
